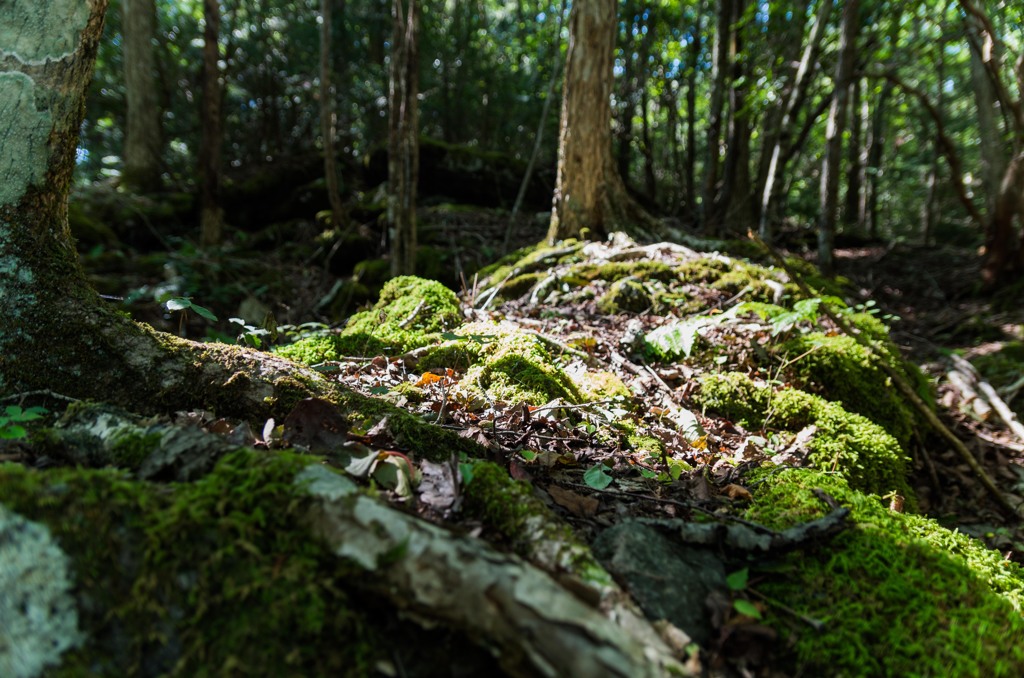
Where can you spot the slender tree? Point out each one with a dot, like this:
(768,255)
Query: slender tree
(143,138)
(795,95)
(590,199)
(211,215)
(328,123)
(403,135)
(829,195)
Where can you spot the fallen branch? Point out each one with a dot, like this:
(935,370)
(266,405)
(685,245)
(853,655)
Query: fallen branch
(990,396)
(534,626)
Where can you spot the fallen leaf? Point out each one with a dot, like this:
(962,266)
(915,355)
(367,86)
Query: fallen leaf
(737,492)
(575,503)
(316,425)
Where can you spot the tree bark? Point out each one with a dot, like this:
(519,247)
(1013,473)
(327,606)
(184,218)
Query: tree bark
(143,138)
(834,137)
(211,217)
(590,199)
(403,136)
(794,99)
(328,122)
(855,159)
(716,107)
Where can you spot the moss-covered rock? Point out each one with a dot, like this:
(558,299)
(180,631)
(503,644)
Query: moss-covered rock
(897,594)
(520,367)
(625,296)
(411,312)
(848,443)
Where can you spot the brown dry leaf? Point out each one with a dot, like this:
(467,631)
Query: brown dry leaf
(574,502)
(737,492)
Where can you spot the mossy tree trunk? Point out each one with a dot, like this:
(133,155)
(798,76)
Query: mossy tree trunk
(142,142)
(590,198)
(55,332)
(403,136)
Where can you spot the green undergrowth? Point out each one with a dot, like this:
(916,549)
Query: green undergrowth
(862,451)
(215,577)
(899,594)
(411,312)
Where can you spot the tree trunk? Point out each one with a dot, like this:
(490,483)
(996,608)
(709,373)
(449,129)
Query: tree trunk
(56,333)
(855,158)
(328,123)
(590,199)
(716,107)
(143,138)
(691,118)
(795,97)
(834,137)
(211,217)
(735,196)
(556,69)
(403,136)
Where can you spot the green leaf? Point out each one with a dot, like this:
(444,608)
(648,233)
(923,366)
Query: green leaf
(178,304)
(205,313)
(745,607)
(12,431)
(675,339)
(597,477)
(737,581)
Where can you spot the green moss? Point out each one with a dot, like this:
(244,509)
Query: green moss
(626,295)
(131,449)
(520,285)
(840,369)
(898,594)
(213,577)
(410,432)
(617,270)
(411,312)
(457,354)
(867,456)
(521,367)
(510,509)
(600,385)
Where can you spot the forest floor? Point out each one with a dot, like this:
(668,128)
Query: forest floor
(932,292)
(553,445)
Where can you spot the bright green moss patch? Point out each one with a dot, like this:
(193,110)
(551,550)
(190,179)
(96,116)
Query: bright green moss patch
(218,576)
(600,385)
(899,594)
(867,456)
(411,312)
(521,367)
(840,369)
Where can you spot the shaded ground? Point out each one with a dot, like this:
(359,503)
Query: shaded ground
(933,291)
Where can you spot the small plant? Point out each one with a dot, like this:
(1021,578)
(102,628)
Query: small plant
(256,337)
(184,305)
(737,583)
(13,417)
